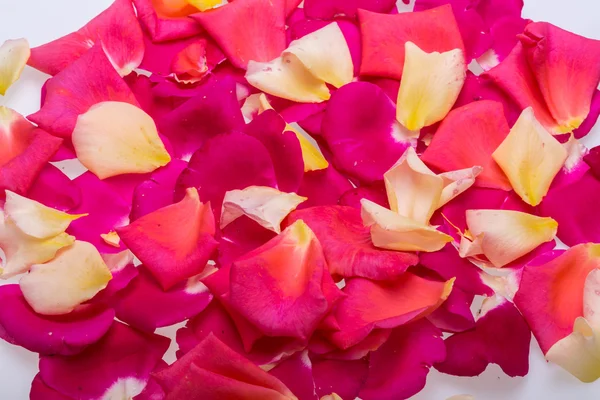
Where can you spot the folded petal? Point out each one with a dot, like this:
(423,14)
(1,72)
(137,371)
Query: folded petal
(174,242)
(284,287)
(550,295)
(118,366)
(361,131)
(13,58)
(347,245)
(454,146)
(115,138)
(116,29)
(369,305)
(249,30)
(530,157)
(162,24)
(399,368)
(508,235)
(565,80)
(430,85)
(89,80)
(384,38)
(501,336)
(393,231)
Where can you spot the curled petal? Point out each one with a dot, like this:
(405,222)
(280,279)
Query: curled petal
(174,242)
(430,85)
(13,58)
(35,219)
(393,231)
(508,235)
(76,275)
(265,205)
(530,157)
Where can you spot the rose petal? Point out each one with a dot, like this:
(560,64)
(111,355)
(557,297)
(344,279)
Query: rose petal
(454,315)
(13,58)
(296,373)
(163,25)
(54,189)
(116,29)
(530,157)
(328,9)
(174,242)
(323,187)
(41,391)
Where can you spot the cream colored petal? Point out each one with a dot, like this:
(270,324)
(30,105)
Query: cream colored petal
(111,238)
(470,247)
(117,261)
(332,396)
(35,219)
(413,190)
(530,157)
(251,107)
(325,54)
(395,232)
(508,235)
(115,138)
(13,58)
(204,5)
(265,205)
(76,275)
(456,182)
(429,87)
(286,77)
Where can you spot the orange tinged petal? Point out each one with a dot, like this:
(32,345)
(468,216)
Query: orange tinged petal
(13,58)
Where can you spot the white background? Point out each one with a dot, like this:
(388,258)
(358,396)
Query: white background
(43,20)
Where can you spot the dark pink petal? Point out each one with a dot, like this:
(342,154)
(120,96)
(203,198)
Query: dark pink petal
(283,146)
(323,347)
(159,56)
(504,33)
(591,119)
(323,187)
(146,94)
(593,161)
(501,336)
(40,391)
(64,335)
(240,237)
(361,131)
(296,373)
(89,80)
(492,10)
(328,9)
(344,378)
(247,30)
(116,29)
(398,369)
(455,314)
(375,193)
(123,357)
(123,272)
(54,189)
(152,391)
(143,304)
(347,244)
(161,27)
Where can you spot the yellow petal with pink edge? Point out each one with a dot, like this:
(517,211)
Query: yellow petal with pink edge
(265,205)
(35,219)
(431,83)
(13,58)
(507,235)
(393,231)
(325,54)
(530,157)
(114,138)
(204,5)
(57,287)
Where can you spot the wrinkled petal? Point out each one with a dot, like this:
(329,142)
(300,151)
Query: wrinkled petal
(530,157)
(116,29)
(174,242)
(384,38)
(89,80)
(114,138)
(430,85)
(13,58)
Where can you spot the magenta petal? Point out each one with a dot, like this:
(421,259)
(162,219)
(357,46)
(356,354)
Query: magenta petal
(296,373)
(158,57)
(212,111)
(359,128)
(501,336)
(40,391)
(64,335)
(158,191)
(164,28)
(145,91)
(123,353)
(454,315)
(89,80)
(345,378)
(504,33)
(54,189)
(398,369)
(323,187)
(121,278)
(375,193)
(328,9)
(592,159)
(591,119)
(144,305)
(283,146)
(240,237)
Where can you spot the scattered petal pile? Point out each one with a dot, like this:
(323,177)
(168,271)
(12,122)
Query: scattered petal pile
(320,193)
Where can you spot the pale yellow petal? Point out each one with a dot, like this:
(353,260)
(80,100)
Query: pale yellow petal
(530,157)
(413,190)
(395,232)
(332,396)
(76,275)
(456,182)
(111,238)
(325,54)
(35,219)
(13,58)
(430,85)
(286,77)
(115,138)
(470,247)
(508,235)
(204,5)
(265,205)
